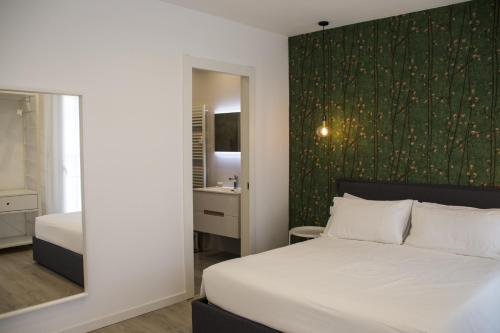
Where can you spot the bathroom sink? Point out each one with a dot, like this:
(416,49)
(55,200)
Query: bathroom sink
(220,189)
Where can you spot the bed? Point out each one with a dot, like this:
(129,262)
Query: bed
(336,285)
(58,245)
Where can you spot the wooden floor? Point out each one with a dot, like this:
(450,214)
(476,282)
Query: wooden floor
(203,260)
(175,318)
(24,283)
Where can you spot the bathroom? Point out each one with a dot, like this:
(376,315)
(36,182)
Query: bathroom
(216,101)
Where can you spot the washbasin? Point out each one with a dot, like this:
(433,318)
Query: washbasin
(220,189)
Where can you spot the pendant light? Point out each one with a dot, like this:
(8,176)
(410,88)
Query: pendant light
(322,130)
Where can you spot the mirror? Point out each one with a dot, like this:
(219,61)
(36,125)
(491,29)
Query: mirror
(227,131)
(41,225)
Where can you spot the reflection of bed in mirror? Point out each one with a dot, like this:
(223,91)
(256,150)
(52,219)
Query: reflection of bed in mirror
(58,244)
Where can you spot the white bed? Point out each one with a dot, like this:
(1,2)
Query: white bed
(334,285)
(64,230)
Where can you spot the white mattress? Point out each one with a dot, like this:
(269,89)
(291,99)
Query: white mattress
(64,230)
(334,285)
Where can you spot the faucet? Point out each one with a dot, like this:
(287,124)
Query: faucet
(236,181)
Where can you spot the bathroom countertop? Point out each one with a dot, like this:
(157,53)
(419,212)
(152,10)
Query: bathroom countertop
(219,190)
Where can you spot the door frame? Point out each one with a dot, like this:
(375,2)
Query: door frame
(247,209)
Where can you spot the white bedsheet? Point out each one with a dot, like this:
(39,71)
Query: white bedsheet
(335,285)
(64,230)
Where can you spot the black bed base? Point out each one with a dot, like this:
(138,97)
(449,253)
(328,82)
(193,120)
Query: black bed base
(209,318)
(58,259)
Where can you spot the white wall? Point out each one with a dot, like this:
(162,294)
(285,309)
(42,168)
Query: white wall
(218,91)
(11,146)
(125,57)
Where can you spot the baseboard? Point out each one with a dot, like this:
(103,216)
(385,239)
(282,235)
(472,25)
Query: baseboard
(126,314)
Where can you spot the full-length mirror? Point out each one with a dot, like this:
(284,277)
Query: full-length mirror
(41,226)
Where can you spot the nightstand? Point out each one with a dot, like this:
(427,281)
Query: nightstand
(18,202)
(307,231)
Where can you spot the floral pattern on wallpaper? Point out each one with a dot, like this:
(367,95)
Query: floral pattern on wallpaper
(412,98)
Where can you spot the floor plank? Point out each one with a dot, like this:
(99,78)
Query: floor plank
(24,283)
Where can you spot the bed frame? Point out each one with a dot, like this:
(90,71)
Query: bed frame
(479,197)
(209,318)
(60,260)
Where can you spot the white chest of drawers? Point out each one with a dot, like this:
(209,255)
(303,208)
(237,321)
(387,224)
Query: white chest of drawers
(217,213)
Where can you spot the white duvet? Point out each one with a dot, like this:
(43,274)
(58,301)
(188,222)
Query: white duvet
(64,230)
(335,285)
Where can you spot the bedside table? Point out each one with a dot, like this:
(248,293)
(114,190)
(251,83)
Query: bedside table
(18,202)
(307,231)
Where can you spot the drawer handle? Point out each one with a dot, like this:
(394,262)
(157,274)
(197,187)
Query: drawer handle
(213,213)
(8,203)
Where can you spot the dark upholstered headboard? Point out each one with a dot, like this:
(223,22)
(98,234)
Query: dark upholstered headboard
(479,197)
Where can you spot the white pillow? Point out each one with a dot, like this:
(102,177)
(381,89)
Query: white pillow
(460,230)
(350,196)
(370,220)
(329,222)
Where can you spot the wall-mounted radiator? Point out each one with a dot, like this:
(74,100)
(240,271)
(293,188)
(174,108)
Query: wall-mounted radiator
(199,146)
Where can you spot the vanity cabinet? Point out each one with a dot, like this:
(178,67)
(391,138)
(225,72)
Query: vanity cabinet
(217,213)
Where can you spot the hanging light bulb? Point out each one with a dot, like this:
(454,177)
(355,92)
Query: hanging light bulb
(323,130)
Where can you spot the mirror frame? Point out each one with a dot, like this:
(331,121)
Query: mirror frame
(85,292)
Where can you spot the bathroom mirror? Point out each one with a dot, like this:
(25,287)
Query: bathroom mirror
(41,223)
(227,132)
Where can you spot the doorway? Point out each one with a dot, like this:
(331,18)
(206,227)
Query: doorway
(217,161)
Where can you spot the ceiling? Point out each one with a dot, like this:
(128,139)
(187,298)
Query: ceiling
(294,17)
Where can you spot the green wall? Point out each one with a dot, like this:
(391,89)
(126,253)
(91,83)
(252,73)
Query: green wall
(412,98)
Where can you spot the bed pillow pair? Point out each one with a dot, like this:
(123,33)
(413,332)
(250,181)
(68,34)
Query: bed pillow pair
(369,220)
(455,229)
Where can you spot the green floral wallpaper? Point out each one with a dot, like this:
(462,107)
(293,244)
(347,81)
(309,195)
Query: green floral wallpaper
(412,98)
